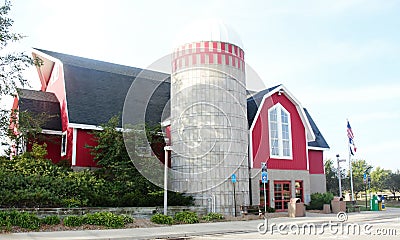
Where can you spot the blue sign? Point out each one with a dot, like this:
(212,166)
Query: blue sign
(264,177)
(233,178)
(365,178)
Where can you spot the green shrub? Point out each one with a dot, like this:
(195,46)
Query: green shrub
(25,220)
(28,180)
(51,220)
(212,216)
(107,219)
(127,219)
(186,217)
(161,219)
(73,221)
(270,209)
(318,200)
(5,225)
(71,202)
(5,221)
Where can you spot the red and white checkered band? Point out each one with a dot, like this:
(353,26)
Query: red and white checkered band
(210,52)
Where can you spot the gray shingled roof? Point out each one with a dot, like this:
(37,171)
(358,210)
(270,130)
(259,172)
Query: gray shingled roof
(96,90)
(37,102)
(319,139)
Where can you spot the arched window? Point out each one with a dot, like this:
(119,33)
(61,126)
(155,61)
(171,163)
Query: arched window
(280,137)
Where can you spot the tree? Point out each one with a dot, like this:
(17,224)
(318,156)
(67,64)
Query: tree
(379,178)
(12,65)
(332,184)
(117,167)
(393,182)
(359,167)
(27,128)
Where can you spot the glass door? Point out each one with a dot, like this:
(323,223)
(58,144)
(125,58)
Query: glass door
(282,195)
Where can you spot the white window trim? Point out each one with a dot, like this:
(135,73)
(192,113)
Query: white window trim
(280,108)
(64,143)
(74,139)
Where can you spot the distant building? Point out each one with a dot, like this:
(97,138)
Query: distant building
(86,93)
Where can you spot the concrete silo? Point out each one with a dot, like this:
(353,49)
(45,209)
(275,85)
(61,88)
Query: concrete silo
(209,129)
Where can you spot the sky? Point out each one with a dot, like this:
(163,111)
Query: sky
(339,58)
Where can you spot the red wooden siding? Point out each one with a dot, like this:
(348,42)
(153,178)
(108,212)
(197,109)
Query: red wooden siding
(53,143)
(260,137)
(316,162)
(85,159)
(83,156)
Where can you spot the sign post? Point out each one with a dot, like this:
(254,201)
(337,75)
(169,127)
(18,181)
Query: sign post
(233,178)
(264,180)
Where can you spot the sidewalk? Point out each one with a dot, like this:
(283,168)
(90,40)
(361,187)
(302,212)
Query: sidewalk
(184,230)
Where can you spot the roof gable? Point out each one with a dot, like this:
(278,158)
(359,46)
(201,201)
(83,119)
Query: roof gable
(96,90)
(259,99)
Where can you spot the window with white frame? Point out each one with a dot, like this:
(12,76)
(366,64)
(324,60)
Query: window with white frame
(64,143)
(279,132)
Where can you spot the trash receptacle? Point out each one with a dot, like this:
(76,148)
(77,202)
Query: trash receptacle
(379,203)
(374,203)
(338,205)
(383,203)
(296,208)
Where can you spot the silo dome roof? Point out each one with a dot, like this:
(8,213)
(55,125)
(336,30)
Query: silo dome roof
(208,30)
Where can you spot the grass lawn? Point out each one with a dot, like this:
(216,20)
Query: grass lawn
(392,203)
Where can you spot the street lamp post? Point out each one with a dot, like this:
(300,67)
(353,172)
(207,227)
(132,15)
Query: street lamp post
(166,149)
(367,180)
(339,173)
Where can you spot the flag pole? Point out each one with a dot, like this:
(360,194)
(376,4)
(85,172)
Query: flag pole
(351,176)
(350,135)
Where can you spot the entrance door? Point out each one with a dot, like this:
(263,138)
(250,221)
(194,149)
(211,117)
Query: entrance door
(282,195)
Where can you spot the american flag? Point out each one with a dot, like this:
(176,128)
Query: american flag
(350,135)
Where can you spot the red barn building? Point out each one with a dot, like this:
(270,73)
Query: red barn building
(284,136)
(86,93)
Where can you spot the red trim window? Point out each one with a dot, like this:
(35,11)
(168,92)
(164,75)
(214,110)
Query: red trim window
(299,190)
(262,193)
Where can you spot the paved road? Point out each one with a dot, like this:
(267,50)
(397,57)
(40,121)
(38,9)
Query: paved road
(367,225)
(389,220)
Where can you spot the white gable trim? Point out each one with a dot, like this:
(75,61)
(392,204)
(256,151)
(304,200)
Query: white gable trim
(37,52)
(90,127)
(51,132)
(84,126)
(317,148)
